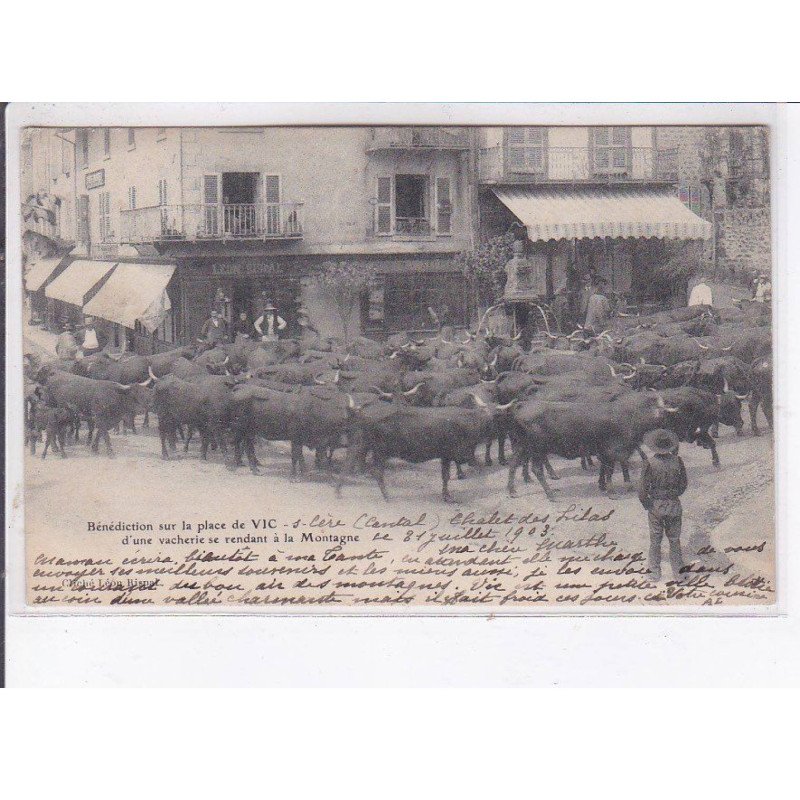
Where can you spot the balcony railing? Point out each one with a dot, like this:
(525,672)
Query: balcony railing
(418,138)
(579,164)
(212,221)
(412,226)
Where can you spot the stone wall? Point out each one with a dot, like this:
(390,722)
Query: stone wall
(743,237)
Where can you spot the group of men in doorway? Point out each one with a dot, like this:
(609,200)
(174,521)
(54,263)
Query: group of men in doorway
(268,326)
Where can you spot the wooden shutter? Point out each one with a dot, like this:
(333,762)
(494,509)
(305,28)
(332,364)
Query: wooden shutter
(383,207)
(106,141)
(272,208)
(444,206)
(515,149)
(83,218)
(211,210)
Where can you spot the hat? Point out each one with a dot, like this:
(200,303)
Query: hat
(268,305)
(661,441)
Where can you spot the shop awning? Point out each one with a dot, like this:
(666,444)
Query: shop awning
(577,213)
(77,280)
(134,292)
(37,273)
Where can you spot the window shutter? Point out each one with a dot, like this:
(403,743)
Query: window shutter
(131,137)
(272,208)
(211,211)
(444,206)
(106,140)
(83,218)
(383,208)
(272,188)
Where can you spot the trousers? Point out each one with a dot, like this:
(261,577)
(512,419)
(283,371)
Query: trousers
(668,525)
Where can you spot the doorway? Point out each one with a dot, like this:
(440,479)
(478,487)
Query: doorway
(239,198)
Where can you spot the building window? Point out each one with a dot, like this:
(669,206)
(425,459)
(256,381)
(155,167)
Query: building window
(526,150)
(131,138)
(83,147)
(106,141)
(611,153)
(411,204)
(415,301)
(104,216)
(131,197)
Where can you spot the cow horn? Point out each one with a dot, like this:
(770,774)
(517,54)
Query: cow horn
(743,397)
(517,337)
(336,376)
(613,371)
(551,335)
(351,404)
(671,410)
(150,372)
(629,377)
(478,401)
(346,358)
(394,354)
(505,406)
(725,388)
(703,346)
(414,390)
(123,386)
(726,349)
(114,356)
(319,382)
(494,380)
(493,362)
(146,383)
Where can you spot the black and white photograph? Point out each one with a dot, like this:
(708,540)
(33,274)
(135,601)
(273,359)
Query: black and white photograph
(508,368)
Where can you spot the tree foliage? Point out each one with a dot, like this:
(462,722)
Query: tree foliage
(343,283)
(484,266)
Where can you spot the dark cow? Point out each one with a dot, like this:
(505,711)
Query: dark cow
(761,376)
(314,418)
(161,363)
(204,406)
(105,403)
(55,423)
(699,410)
(612,430)
(417,435)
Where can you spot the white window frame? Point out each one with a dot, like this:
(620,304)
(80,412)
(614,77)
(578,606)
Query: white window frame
(438,203)
(611,148)
(528,145)
(390,205)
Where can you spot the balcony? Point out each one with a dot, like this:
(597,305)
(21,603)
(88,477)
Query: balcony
(260,221)
(417,138)
(574,165)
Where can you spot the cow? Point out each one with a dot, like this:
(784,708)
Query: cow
(161,363)
(310,417)
(204,406)
(761,376)
(55,423)
(417,435)
(697,411)
(105,403)
(610,429)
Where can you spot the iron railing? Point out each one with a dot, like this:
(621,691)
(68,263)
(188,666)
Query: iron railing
(413,138)
(212,221)
(577,164)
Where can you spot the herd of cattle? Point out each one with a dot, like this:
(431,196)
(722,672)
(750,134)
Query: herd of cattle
(578,396)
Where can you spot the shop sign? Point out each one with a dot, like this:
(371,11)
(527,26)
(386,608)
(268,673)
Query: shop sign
(96,179)
(244,270)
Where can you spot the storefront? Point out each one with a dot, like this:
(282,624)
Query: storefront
(38,274)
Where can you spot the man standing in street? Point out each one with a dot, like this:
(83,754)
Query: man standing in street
(66,346)
(663,481)
(269,323)
(701,293)
(214,330)
(93,340)
(598,310)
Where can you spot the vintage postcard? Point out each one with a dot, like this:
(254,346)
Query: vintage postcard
(486,368)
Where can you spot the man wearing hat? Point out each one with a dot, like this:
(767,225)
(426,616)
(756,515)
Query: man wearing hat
(269,323)
(701,293)
(763,292)
(66,346)
(598,309)
(663,482)
(215,329)
(93,340)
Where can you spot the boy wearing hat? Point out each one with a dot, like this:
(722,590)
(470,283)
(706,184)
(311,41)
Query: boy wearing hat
(663,482)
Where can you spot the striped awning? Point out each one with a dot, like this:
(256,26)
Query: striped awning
(134,292)
(37,273)
(77,281)
(578,213)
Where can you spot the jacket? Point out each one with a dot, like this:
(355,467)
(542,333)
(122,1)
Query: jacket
(663,481)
